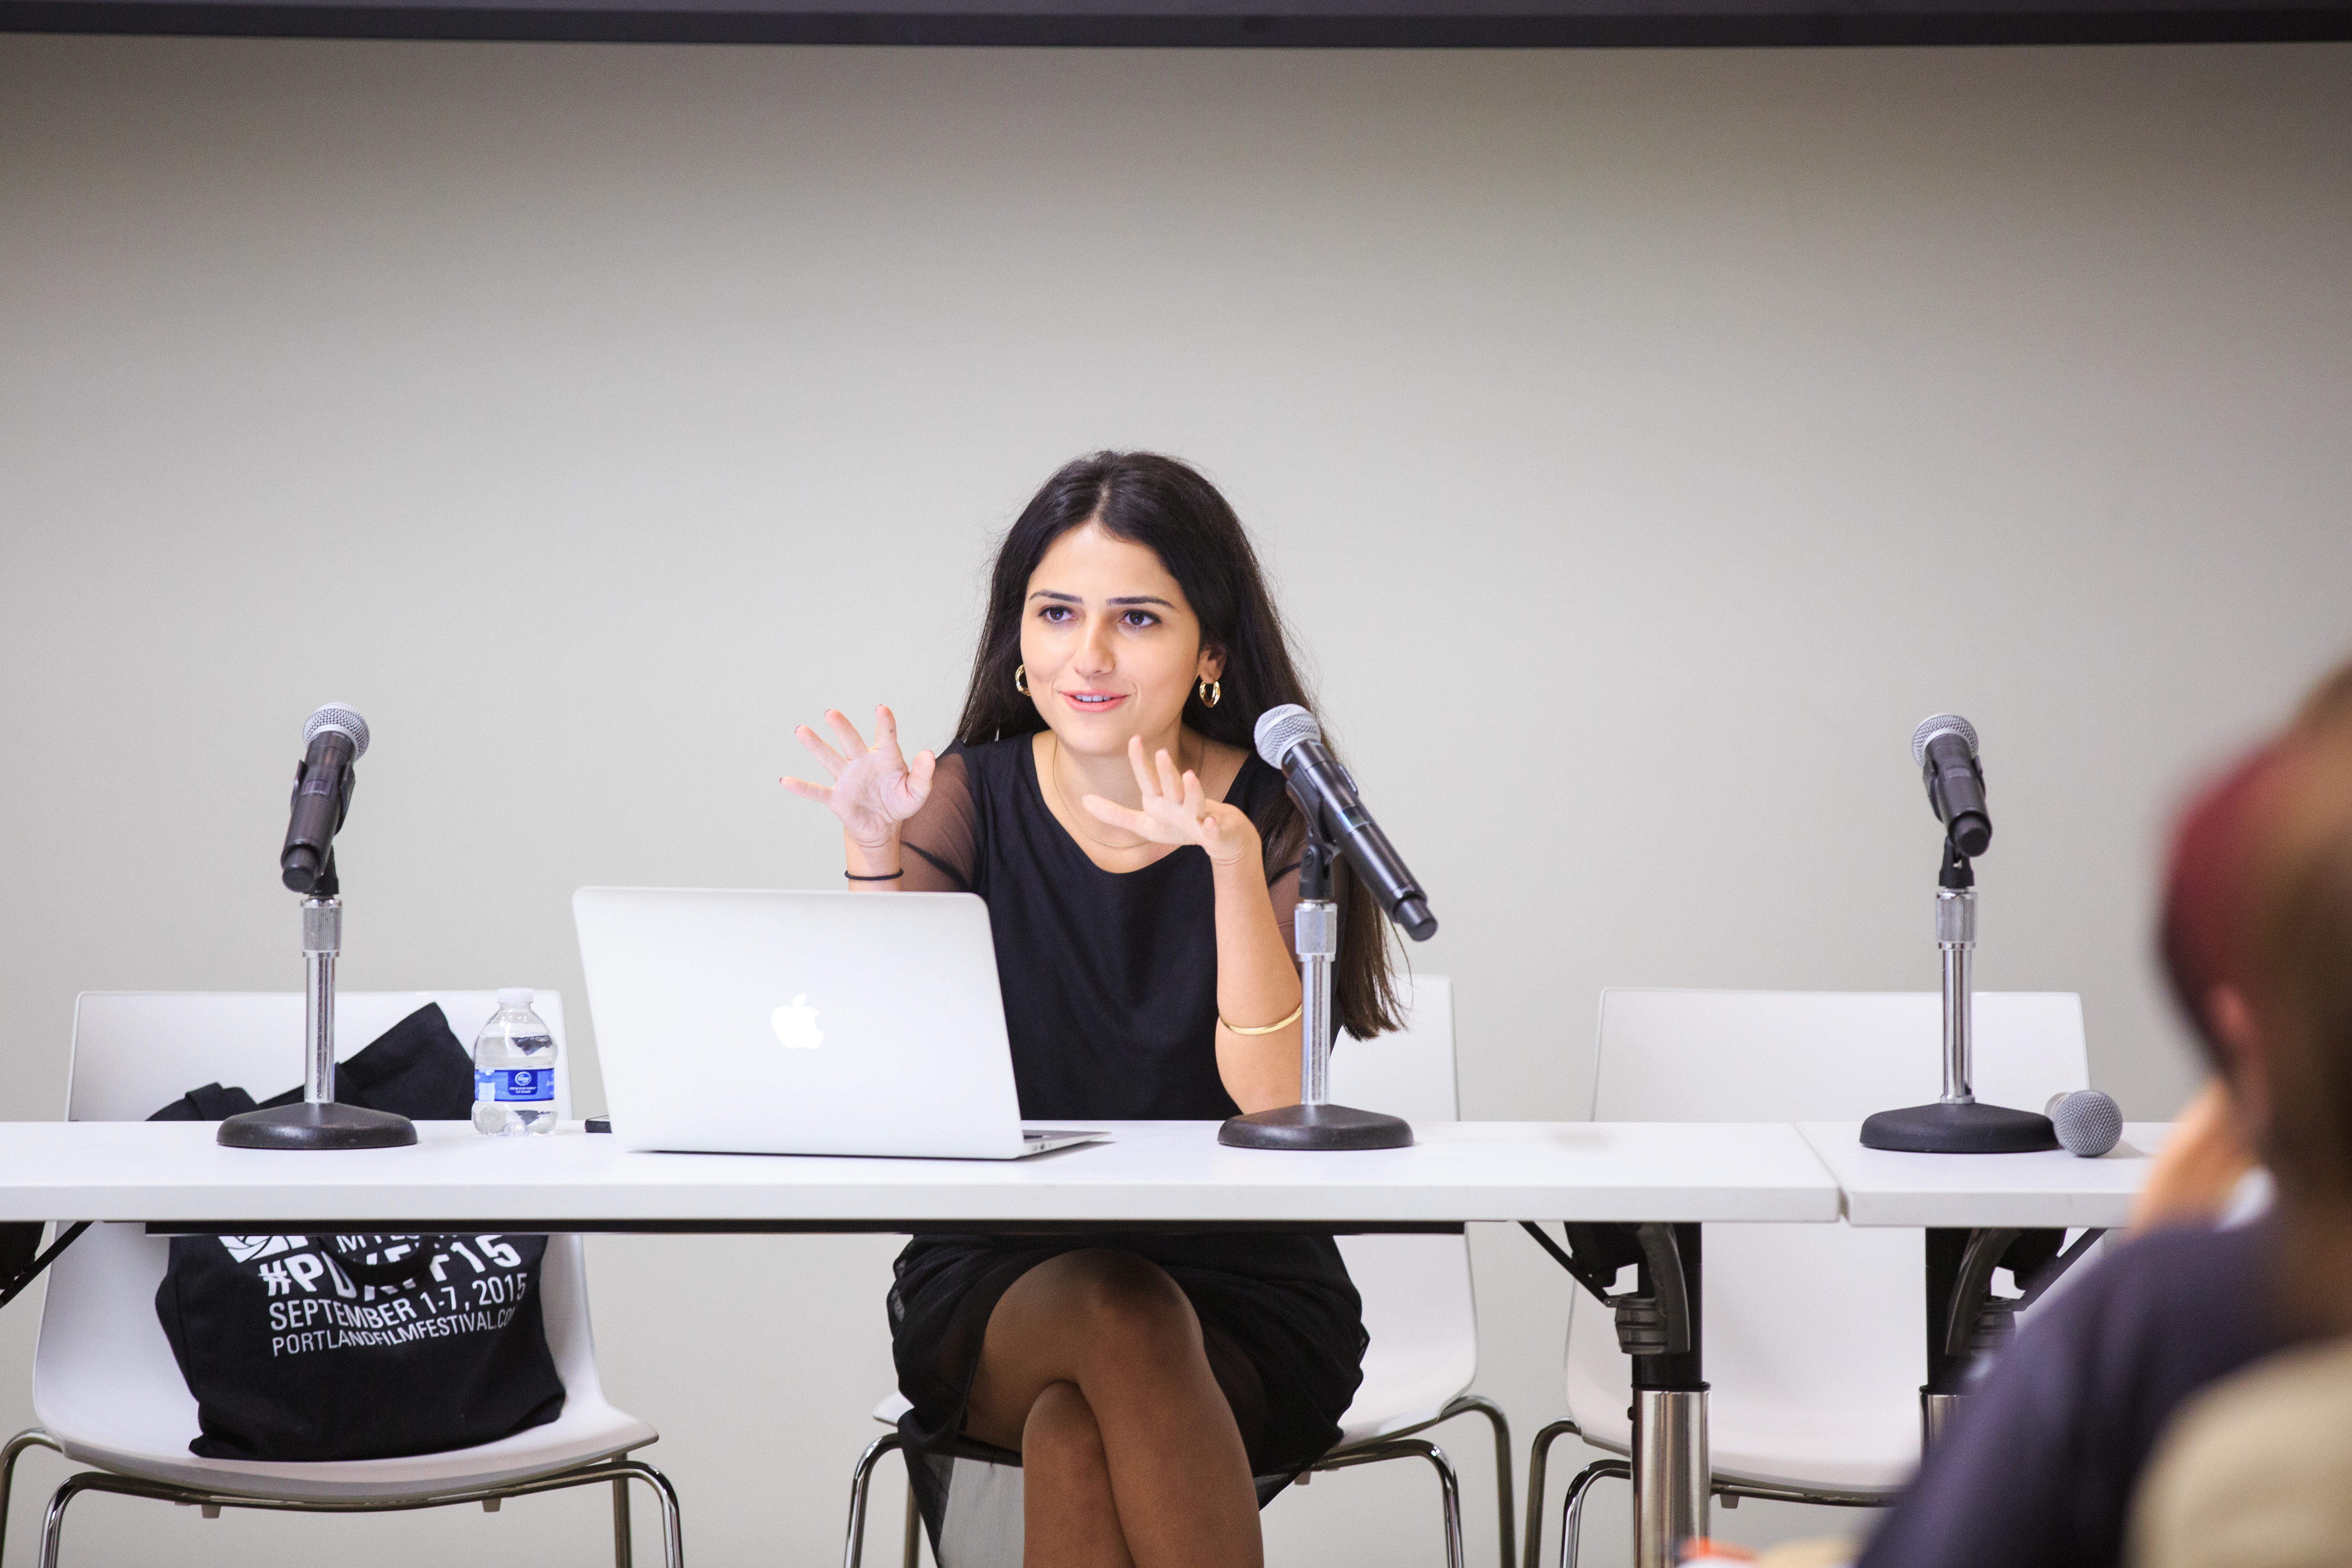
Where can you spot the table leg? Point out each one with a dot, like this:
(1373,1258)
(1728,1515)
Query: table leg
(1966,1319)
(1940,1396)
(1671,1463)
(1658,1329)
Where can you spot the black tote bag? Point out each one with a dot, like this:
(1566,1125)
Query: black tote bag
(360,1346)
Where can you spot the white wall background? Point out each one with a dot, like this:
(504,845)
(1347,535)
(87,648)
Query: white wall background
(1643,443)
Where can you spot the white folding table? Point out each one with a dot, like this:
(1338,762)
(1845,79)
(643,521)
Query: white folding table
(1665,1178)
(1149,1173)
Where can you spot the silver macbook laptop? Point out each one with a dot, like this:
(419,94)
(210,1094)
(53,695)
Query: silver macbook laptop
(837,1023)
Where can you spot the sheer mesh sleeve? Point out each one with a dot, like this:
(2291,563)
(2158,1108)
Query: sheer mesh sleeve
(941,840)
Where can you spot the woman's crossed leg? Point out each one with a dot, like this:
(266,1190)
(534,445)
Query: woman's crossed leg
(1093,1367)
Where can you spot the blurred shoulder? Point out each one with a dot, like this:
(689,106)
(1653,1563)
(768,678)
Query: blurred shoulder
(2255,1472)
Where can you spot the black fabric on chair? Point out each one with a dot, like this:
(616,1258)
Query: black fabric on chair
(417,1067)
(309,1348)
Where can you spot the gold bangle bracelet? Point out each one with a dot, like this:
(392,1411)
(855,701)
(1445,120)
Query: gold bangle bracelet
(1266,1029)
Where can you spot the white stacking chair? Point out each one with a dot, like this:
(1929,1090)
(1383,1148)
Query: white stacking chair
(106,1389)
(1815,1346)
(1419,1310)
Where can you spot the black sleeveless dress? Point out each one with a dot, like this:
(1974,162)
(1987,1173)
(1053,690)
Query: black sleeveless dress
(1110,998)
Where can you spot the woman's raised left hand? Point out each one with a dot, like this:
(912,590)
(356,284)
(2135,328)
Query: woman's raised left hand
(1177,810)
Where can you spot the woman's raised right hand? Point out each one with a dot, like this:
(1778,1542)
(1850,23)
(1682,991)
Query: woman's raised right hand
(874,789)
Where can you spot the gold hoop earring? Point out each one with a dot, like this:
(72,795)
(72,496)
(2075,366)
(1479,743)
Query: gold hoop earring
(1212,693)
(1021,679)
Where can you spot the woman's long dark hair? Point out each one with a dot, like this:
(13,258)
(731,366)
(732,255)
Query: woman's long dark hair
(1170,508)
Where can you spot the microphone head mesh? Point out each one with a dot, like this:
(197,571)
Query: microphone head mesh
(1279,729)
(1937,724)
(343,720)
(2088,1123)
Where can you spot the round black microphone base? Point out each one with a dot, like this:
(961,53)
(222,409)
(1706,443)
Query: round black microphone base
(307,1126)
(1962,1128)
(1316,1127)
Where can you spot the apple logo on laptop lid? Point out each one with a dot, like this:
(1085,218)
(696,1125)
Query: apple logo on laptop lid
(795,1025)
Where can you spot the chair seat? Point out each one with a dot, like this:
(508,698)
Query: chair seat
(587,1431)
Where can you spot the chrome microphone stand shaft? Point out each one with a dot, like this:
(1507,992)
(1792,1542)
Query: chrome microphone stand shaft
(1314,1122)
(323,943)
(318,1122)
(1956,936)
(1957,1123)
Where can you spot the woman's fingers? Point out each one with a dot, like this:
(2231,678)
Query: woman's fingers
(918,785)
(833,760)
(886,735)
(1119,815)
(807,791)
(851,742)
(1170,785)
(1143,779)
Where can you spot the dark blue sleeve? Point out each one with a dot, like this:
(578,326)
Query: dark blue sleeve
(2039,1467)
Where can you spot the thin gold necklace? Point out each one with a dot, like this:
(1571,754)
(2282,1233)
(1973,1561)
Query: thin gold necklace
(1054,779)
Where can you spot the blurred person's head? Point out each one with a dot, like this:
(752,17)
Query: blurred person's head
(2207,936)
(2204,936)
(2296,1080)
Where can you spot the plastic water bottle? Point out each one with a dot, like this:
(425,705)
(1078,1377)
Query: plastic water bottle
(514,1069)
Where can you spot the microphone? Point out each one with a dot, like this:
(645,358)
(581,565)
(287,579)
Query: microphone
(2088,1122)
(333,739)
(1289,739)
(1945,748)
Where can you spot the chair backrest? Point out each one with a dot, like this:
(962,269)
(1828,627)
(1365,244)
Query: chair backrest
(1408,1073)
(104,1380)
(1815,1346)
(1419,1308)
(1822,1056)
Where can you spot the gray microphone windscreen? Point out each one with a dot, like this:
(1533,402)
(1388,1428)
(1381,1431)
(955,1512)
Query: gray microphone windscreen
(343,718)
(1937,724)
(1279,729)
(2088,1122)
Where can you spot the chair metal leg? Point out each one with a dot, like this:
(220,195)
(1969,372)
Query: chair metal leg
(1506,1534)
(911,1553)
(1571,1512)
(1538,1461)
(624,1548)
(31,1438)
(53,1526)
(673,1525)
(861,1480)
(1449,1486)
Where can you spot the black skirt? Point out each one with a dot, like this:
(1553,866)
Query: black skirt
(1281,1301)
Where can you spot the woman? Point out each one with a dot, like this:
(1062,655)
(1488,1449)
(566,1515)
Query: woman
(1141,866)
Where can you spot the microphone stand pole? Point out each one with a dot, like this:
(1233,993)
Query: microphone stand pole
(319,1122)
(1957,1123)
(1314,1122)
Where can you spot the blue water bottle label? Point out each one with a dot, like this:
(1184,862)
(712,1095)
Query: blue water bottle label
(527,1084)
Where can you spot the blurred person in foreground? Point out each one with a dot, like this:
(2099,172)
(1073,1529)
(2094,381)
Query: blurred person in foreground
(2258,1470)
(2041,1467)
(2206,1169)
